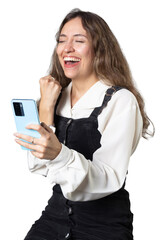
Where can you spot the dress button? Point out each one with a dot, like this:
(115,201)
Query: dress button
(69,121)
(67,236)
(70,211)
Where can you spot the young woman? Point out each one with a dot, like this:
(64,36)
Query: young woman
(98,118)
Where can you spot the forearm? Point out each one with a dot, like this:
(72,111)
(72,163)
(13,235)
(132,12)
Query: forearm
(46,115)
(81,179)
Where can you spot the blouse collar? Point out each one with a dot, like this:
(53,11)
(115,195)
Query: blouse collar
(91,99)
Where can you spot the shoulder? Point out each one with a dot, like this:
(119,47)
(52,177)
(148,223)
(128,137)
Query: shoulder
(123,102)
(124,97)
(122,110)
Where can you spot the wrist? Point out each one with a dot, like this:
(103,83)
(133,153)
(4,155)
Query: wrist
(46,116)
(45,104)
(46,107)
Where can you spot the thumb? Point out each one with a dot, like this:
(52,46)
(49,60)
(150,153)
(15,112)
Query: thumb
(47,128)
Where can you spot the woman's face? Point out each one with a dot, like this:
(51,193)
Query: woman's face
(75,50)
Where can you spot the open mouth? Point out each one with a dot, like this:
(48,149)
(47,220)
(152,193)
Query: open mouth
(71,61)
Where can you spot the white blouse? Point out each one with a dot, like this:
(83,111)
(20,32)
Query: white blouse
(120,125)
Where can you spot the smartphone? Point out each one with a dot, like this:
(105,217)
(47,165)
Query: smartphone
(25,112)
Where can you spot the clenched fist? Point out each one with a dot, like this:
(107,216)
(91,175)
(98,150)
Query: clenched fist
(50,90)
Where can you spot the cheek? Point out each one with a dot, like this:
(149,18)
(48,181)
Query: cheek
(84,51)
(89,57)
(86,54)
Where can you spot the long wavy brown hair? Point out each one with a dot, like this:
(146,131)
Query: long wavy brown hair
(109,61)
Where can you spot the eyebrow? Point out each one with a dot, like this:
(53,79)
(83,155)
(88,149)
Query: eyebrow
(75,35)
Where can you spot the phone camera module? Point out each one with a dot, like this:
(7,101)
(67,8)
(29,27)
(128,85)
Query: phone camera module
(18,108)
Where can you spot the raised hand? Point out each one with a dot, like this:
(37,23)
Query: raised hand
(50,90)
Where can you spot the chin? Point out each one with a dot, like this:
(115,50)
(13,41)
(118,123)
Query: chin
(69,75)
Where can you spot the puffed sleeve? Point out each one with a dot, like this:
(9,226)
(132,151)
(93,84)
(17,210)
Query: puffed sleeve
(120,124)
(37,165)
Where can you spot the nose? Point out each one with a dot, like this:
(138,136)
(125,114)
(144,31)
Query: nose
(68,47)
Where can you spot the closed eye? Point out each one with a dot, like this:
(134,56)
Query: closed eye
(60,41)
(79,41)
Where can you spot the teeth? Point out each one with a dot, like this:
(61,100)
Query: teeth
(71,59)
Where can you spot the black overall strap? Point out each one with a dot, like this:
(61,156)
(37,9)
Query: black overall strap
(109,93)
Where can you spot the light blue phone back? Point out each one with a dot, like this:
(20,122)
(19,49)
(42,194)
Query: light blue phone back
(30,117)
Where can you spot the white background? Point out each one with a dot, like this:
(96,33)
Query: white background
(27,40)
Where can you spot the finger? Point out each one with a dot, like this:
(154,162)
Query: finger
(47,128)
(49,77)
(26,144)
(24,137)
(38,128)
(35,148)
(53,79)
(27,138)
(38,155)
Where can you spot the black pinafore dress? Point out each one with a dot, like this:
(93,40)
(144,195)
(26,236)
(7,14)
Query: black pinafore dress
(108,218)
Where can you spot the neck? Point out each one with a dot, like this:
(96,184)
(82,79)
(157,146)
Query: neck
(80,87)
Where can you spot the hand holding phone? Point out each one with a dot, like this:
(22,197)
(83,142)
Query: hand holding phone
(25,112)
